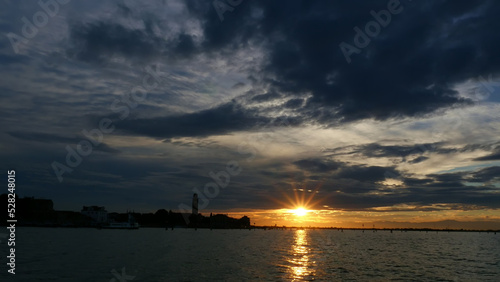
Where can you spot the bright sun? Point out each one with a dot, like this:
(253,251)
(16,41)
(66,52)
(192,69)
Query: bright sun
(300,211)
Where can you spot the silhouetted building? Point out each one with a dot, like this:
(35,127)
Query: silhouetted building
(222,221)
(195,204)
(38,205)
(34,211)
(98,214)
(244,222)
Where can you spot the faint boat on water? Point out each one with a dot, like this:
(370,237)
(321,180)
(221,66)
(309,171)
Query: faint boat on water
(121,225)
(131,224)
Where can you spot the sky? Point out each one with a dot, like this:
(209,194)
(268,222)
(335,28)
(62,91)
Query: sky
(361,112)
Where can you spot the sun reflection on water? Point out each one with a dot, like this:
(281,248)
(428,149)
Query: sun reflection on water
(299,259)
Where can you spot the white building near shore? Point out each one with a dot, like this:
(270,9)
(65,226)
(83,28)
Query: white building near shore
(98,214)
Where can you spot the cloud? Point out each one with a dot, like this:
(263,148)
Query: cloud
(418,160)
(55,138)
(378,150)
(99,42)
(340,170)
(487,174)
(361,187)
(366,173)
(399,74)
(238,85)
(317,165)
(294,103)
(12,59)
(410,69)
(220,120)
(265,97)
(491,157)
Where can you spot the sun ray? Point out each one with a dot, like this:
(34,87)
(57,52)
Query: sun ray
(301,200)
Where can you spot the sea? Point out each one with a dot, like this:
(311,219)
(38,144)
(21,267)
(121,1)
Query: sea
(155,254)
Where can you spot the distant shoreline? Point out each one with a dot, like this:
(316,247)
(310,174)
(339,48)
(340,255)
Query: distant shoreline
(387,229)
(292,228)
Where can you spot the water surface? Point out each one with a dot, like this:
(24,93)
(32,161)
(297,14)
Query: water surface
(65,254)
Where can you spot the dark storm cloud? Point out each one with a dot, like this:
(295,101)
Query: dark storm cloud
(418,160)
(294,103)
(487,174)
(97,42)
(417,181)
(54,138)
(481,175)
(492,157)
(238,85)
(340,170)
(421,193)
(448,177)
(100,41)
(317,165)
(238,29)
(448,193)
(367,173)
(409,69)
(378,150)
(184,46)
(420,199)
(454,183)
(413,153)
(216,121)
(12,59)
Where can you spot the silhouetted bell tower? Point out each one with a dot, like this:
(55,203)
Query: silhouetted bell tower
(195,204)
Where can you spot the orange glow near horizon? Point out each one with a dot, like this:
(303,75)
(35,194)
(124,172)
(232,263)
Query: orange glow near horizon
(454,219)
(300,209)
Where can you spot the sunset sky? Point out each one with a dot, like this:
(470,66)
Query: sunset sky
(361,112)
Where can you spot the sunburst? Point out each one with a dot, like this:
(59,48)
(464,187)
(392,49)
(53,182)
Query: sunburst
(300,211)
(302,199)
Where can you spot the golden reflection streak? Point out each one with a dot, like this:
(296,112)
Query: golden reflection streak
(300,253)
